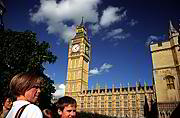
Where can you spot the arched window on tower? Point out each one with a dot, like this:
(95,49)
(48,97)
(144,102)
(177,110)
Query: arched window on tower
(73,87)
(162,114)
(170,81)
(168,113)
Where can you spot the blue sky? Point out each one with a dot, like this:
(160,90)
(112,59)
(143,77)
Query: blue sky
(119,31)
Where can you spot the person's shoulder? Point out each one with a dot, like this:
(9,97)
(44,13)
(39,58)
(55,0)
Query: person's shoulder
(32,106)
(1,114)
(32,111)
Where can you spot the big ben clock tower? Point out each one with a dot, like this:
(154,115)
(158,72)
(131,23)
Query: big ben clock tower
(78,62)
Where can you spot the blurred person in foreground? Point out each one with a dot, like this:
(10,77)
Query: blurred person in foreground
(26,87)
(66,107)
(47,113)
(6,104)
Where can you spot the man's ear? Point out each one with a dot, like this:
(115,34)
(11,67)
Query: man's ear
(59,112)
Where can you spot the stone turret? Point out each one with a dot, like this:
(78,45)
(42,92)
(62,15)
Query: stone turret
(172,31)
(128,87)
(166,60)
(138,85)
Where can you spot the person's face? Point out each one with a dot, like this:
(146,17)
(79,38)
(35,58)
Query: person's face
(68,112)
(32,94)
(8,103)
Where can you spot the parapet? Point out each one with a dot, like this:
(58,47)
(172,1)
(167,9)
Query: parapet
(121,90)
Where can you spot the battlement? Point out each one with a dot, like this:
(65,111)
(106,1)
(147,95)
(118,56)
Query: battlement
(121,90)
(160,46)
(168,44)
(171,41)
(117,100)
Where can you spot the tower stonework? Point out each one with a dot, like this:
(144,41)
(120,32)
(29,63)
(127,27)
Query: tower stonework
(122,102)
(78,63)
(166,71)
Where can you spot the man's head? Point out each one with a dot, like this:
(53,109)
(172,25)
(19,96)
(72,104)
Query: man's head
(26,84)
(66,107)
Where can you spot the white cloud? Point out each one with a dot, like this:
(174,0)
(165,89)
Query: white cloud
(60,90)
(116,34)
(61,86)
(55,14)
(153,38)
(57,43)
(112,33)
(94,71)
(132,22)
(122,36)
(62,17)
(50,75)
(95,28)
(104,68)
(110,15)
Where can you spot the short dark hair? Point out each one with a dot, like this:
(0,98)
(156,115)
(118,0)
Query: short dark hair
(65,101)
(22,82)
(7,95)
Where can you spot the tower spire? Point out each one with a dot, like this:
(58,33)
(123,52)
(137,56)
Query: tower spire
(82,23)
(172,30)
(171,27)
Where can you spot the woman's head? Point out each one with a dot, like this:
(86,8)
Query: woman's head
(7,100)
(26,84)
(8,103)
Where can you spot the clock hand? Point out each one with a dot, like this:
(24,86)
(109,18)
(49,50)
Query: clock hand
(76,47)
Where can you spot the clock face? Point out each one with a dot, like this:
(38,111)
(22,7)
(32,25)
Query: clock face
(76,48)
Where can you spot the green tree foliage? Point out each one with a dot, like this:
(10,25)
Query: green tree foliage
(20,52)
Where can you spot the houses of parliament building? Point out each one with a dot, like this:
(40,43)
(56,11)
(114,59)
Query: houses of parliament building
(130,101)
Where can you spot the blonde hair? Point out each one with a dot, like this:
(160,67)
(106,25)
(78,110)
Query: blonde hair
(22,82)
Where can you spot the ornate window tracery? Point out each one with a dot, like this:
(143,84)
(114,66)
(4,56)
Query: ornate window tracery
(170,82)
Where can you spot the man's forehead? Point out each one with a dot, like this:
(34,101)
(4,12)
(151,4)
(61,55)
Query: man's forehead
(70,106)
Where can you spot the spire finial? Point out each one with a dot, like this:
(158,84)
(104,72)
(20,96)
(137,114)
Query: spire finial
(171,28)
(170,25)
(82,23)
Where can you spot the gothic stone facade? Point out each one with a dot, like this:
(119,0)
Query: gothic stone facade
(121,102)
(166,71)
